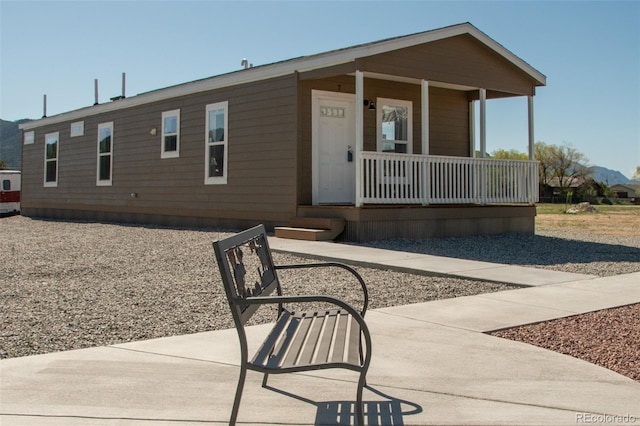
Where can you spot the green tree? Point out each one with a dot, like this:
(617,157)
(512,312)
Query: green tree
(543,155)
(512,154)
(563,166)
(636,175)
(3,164)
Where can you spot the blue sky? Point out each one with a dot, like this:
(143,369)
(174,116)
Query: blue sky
(589,51)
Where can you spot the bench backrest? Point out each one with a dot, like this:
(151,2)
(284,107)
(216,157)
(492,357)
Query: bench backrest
(247,270)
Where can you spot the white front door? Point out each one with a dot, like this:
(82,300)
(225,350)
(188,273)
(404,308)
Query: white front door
(333,144)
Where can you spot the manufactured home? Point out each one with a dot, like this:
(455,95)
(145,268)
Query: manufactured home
(380,136)
(9,192)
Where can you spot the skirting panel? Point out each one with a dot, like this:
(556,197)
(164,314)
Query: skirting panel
(435,228)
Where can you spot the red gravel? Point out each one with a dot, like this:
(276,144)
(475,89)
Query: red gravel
(609,338)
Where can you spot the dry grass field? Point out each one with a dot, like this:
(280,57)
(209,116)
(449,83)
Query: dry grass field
(617,220)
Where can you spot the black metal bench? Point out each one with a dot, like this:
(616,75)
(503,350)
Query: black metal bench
(335,337)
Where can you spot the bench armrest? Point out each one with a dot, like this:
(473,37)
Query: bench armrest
(355,273)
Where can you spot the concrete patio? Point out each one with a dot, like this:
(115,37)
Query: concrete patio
(432,364)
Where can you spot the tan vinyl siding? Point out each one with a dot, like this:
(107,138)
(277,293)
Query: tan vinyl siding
(262,159)
(448,122)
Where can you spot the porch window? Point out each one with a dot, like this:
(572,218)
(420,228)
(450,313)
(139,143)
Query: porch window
(216,145)
(394,123)
(170,134)
(51,141)
(105,154)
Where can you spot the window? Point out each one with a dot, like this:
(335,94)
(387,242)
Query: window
(51,151)
(6,185)
(77,129)
(105,154)
(29,137)
(395,126)
(217,139)
(170,134)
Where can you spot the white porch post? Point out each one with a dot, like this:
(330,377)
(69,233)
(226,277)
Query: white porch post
(483,123)
(472,129)
(483,145)
(531,138)
(425,193)
(425,117)
(359,135)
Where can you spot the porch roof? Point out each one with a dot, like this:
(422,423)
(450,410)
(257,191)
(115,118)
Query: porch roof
(300,64)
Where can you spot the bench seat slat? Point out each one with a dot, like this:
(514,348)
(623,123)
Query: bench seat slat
(312,339)
(341,333)
(327,338)
(269,346)
(285,339)
(297,344)
(354,342)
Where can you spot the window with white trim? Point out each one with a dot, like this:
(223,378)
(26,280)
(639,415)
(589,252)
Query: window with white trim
(170,134)
(105,154)
(29,137)
(51,152)
(77,129)
(216,144)
(395,130)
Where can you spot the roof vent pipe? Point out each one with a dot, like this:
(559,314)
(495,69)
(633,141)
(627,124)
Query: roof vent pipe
(95,91)
(246,63)
(44,106)
(124,80)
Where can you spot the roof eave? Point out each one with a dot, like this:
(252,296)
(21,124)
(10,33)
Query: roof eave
(301,64)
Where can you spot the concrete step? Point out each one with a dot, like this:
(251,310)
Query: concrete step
(311,229)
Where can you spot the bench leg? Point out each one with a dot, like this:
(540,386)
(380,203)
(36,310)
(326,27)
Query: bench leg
(264,380)
(236,401)
(360,405)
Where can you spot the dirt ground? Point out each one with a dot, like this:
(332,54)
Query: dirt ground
(615,222)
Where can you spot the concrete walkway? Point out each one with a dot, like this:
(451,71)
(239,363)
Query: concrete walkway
(432,364)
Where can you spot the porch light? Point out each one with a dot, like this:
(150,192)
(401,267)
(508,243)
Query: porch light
(369,102)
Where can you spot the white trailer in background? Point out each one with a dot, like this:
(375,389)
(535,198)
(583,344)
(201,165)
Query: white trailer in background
(9,192)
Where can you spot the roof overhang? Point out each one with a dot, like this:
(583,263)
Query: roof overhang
(301,64)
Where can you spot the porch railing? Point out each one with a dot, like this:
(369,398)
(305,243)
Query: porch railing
(388,178)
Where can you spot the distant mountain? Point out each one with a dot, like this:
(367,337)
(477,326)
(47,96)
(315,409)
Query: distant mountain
(609,177)
(11,143)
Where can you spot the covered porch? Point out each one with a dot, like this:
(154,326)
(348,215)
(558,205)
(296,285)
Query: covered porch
(394,140)
(395,175)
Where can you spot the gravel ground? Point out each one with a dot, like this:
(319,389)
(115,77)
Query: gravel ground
(560,250)
(70,285)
